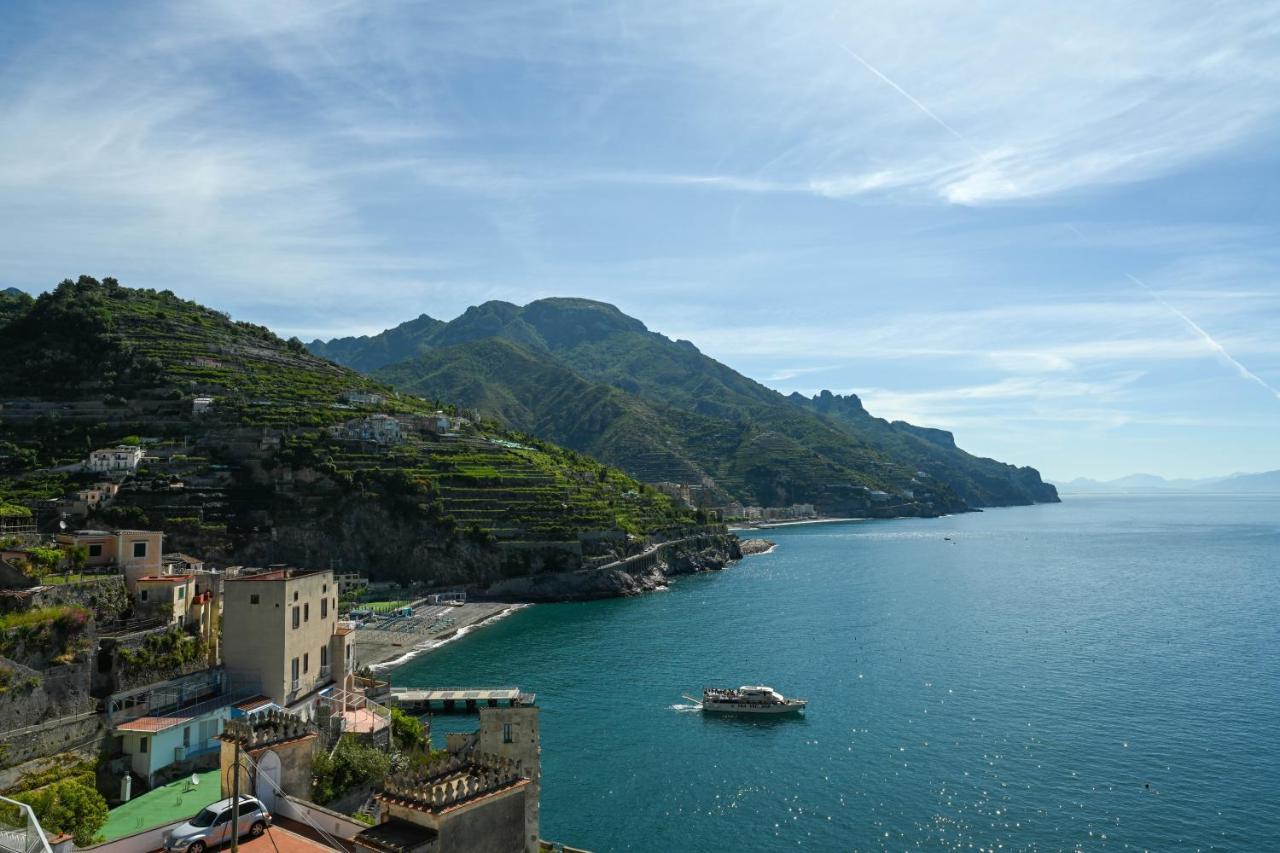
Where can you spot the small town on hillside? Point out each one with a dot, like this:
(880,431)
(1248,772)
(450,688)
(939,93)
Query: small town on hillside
(151,700)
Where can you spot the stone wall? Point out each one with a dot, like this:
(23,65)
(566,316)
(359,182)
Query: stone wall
(83,732)
(105,597)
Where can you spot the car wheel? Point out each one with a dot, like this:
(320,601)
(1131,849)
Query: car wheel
(257,829)
(197,847)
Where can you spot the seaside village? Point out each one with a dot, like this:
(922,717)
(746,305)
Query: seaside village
(150,700)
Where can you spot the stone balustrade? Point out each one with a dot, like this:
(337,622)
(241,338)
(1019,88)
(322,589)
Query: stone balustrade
(448,782)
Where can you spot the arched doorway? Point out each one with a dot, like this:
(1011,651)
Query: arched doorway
(268,780)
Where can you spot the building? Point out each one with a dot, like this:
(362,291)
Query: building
(168,596)
(123,458)
(136,553)
(482,796)
(733,510)
(177,563)
(280,632)
(363,398)
(281,748)
(169,743)
(349,581)
(379,429)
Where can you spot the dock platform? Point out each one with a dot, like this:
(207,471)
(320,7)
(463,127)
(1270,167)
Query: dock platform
(449,700)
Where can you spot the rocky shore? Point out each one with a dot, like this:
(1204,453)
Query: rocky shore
(749,547)
(634,575)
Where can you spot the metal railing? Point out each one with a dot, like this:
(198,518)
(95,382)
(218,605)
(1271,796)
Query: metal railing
(20,831)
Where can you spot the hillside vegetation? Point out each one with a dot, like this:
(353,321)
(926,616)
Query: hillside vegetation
(259,476)
(585,375)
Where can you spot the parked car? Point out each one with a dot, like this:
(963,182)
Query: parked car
(212,826)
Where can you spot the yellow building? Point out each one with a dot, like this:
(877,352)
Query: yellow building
(136,553)
(279,631)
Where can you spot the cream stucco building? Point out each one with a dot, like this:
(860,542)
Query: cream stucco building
(279,633)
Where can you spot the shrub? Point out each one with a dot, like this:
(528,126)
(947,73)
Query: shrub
(351,764)
(68,806)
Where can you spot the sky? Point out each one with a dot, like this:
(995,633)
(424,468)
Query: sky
(1051,228)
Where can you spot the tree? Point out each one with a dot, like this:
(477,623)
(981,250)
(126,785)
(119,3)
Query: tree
(76,556)
(43,560)
(408,731)
(69,807)
(352,764)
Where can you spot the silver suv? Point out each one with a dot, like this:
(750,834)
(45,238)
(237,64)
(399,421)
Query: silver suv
(212,827)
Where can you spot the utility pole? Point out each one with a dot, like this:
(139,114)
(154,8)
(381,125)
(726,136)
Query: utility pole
(235,803)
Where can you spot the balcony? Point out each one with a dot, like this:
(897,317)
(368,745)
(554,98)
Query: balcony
(20,832)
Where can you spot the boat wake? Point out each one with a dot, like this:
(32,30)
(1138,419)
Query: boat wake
(685,707)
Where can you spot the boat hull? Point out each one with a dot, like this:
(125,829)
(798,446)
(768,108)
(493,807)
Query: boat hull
(743,708)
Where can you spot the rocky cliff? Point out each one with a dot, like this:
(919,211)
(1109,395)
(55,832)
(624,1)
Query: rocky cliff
(634,575)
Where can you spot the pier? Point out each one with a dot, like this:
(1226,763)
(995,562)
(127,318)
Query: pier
(455,700)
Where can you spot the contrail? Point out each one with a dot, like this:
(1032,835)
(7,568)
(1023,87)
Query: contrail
(904,93)
(1217,348)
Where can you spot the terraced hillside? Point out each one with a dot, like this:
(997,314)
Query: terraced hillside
(275,463)
(585,375)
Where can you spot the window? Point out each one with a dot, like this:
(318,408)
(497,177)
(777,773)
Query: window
(324,655)
(143,595)
(95,550)
(297,616)
(306,612)
(182,593)
(223,818)
(295,595)
(186,735)
(295,669)
(248,807)
(139,549)
(306,662)
(324,587)
(206,818)
(506,733)
(143,743)
(254,598)
(324,608)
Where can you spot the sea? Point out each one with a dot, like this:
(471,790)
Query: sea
(1100,674)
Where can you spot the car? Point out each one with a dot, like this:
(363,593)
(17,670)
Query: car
(212,826)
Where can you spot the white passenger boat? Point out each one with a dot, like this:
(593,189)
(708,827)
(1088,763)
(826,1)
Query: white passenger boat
(748,699)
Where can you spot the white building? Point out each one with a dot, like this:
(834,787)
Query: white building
(122,458)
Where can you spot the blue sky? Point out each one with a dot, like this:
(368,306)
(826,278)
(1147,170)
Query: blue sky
(1051,228)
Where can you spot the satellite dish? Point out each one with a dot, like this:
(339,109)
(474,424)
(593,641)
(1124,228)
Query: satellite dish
(62,524)
(195,780)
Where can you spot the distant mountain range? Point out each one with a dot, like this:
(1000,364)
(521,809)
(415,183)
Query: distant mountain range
(1267,482)
(585,375)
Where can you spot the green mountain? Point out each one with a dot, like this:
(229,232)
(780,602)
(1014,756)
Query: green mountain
(274,468)
(585,375)
(367,353)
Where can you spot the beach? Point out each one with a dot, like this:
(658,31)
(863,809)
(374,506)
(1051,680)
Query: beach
(386,643)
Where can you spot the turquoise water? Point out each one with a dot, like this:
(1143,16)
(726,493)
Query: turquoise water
(1101,674)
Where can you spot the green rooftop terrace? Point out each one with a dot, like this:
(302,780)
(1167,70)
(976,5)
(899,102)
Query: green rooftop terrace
(167,804)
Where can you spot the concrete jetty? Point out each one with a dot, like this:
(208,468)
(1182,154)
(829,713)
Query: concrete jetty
(457,699)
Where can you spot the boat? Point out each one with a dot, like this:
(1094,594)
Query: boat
(748,699)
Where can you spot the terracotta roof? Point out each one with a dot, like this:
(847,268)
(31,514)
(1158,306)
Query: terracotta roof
(341,632)
(165,578)
(169,719)
(253,703)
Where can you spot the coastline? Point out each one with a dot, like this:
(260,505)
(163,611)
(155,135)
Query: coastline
(382,650)
(772,524)
(387,648)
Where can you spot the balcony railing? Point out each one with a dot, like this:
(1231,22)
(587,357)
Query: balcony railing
(20,832)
